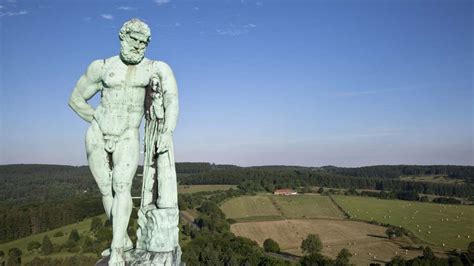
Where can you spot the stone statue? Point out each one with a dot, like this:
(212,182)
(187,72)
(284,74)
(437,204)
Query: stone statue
(131,86)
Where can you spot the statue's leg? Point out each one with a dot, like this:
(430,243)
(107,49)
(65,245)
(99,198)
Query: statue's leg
(125,158)
(99,164)
(167,185)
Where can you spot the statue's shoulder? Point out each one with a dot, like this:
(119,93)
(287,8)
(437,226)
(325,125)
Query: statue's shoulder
(161,67)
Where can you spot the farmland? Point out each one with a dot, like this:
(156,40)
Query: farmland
(436,224)
(307,206)
(201,188)
(289,219)
(250,208)
(363,240)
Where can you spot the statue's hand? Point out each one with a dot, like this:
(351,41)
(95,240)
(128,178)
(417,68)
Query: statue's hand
(166,140)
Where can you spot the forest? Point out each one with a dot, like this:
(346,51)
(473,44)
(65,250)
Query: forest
(36,198)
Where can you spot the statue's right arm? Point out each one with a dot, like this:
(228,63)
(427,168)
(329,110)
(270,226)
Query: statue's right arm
(87,86)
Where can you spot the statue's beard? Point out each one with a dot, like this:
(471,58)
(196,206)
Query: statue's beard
(131,56)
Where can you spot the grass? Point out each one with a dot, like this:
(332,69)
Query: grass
(82,227)
(307,206)
(437,224)
(200,188)
(433,179)
(358,237)
(267,207)
(249,206)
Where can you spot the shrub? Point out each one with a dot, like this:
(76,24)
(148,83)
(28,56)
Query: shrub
(271,245)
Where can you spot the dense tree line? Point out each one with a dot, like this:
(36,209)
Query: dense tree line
(18,221)
(259,178)
(429,258)
(394,171)
(24,183)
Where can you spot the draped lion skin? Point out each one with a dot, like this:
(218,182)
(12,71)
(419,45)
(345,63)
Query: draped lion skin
(112,140)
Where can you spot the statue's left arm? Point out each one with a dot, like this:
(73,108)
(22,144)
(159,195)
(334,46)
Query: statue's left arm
(170,104)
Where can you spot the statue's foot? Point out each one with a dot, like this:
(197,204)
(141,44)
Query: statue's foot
(127,246)
(116,257)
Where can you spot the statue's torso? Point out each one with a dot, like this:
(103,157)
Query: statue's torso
(123,94)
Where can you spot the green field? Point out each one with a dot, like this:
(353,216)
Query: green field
(250,206)
(432,178)
(82,227)
(200,188)
(307,206)
(272,207)
(445,225)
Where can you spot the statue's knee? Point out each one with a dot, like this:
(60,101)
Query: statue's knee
(122,187)
(105,189)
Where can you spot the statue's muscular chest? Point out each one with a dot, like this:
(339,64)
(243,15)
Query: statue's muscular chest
(124,84)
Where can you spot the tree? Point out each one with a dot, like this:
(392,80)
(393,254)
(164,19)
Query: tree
(320,190)
(96,224)
(316,259)
(14,256)
(312,244)
(424,199)
(343,257)
(33,245)
(271,245)
(428,253)
(470,251)
(74,236)
(47,246)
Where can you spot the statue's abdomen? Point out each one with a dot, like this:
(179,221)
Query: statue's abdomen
(120,109)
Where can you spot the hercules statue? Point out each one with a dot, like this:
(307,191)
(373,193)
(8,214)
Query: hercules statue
(112,140)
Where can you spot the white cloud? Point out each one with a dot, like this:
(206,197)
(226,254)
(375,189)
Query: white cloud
(107,16)
(236,30)
(11,14)
(162,2)
(196,8)
(126,8)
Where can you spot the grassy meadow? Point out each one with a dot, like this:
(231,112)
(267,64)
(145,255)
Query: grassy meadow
(201,188)
(449,226)
(82,227)
(250,207)
(307,206)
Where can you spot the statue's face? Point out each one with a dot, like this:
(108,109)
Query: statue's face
(132,47)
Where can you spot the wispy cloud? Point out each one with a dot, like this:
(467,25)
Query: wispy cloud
(172,25)
(87,19)
(236,30)
(107,16)
(11,14)
(126,8)
(196,8)
(258,3)
(372,92)
(361,93)
(161,2)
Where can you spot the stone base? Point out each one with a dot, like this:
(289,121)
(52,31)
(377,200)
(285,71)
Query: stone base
(136,257)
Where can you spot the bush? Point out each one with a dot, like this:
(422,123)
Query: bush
(271,245)
(58,234)
(33,245)
(47,246)
(312,244)
(96,224)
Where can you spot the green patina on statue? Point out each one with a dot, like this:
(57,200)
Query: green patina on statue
(132,86)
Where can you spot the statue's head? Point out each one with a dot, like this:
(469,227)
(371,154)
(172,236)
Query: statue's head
(134,38)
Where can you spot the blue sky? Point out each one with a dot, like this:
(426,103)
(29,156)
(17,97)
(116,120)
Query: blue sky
(345,83)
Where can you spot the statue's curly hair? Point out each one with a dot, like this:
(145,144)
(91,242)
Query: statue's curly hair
(135,25)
